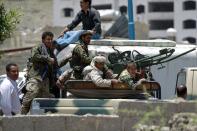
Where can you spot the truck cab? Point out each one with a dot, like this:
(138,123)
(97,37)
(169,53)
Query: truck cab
(188,76)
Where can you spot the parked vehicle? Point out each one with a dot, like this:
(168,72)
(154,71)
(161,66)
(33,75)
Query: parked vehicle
(188,76)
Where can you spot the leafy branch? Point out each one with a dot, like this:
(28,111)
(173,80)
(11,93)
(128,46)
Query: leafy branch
(8,21)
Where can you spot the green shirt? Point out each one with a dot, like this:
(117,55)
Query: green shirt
(80,59)
(127,78)
(40,63)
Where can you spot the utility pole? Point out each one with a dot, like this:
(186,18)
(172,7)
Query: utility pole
(131,20)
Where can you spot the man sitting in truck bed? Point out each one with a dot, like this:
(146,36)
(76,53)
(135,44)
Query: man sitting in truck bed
(80,59)
(130,76)
(97,73)
(133,79)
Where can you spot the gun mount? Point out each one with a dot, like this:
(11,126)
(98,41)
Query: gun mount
(118,60)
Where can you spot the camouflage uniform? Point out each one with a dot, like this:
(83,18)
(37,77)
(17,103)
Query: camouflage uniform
(39,73)
(80,59)
(127,78)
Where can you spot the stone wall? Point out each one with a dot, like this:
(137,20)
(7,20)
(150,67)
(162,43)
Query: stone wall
(19,58)
(36,14)
(36,17)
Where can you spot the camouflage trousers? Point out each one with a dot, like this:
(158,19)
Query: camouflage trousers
(35,89)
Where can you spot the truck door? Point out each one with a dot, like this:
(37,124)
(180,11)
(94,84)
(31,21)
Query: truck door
(194,83)
(181,79)
(188,77)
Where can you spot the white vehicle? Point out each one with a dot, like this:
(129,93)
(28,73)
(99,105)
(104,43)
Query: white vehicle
(188,77)
(165,76)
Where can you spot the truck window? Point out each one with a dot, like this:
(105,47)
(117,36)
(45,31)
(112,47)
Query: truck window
(181,79)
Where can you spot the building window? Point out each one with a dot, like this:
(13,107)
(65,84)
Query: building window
(189,24)
(68,12)
(161,24)
(191,40)
(140,9)
(189,5)
(161,6)
(102,7)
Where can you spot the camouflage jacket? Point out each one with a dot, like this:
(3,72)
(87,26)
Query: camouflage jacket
(40,66)
(80,58)
(127,78)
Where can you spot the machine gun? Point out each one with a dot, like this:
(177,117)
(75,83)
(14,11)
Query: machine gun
(118,60)
(143,61)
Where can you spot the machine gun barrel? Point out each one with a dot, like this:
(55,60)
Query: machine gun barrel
(179,55)
(166,52)
(156,59)
(160,58)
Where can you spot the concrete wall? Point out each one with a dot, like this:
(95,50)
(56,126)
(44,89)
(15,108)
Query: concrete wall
(60,123)
(129,113)
(153,112)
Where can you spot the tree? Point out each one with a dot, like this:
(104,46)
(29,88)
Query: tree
(8,22)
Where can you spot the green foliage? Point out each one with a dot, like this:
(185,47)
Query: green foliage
(152,117)
(8,21)
(157,113)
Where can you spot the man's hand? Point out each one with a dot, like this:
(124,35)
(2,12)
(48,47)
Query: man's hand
(52,61)
(139,84)
(93,31)
(115,82)
(59,83)
(141,81)
(64,31)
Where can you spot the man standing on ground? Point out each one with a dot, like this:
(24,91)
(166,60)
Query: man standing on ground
(39,72)
(89,17)
(10,101)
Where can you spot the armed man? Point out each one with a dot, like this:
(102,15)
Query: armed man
(39,72)
(80,59)
(98,73)
(134,80)
(130,76)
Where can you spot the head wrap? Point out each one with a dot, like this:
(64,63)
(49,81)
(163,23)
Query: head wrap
(99,59)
